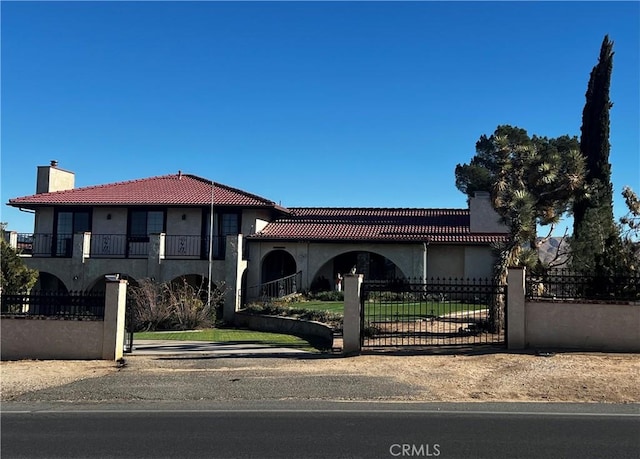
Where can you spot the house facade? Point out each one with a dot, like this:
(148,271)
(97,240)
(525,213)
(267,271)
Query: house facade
(181,226)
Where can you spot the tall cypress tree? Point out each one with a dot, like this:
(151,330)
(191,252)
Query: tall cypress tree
(594,229)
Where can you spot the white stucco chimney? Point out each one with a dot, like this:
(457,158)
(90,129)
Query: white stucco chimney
(483,217)
(51,178)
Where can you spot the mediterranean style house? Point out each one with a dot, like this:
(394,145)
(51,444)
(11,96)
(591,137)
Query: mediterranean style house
(181,226)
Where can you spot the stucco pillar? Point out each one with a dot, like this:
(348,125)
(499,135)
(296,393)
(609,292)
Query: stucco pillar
(77,252)
(115,301)
(74,271)
(155,256)
(13,240)
(234,267)
(351,324)
(86,246)
(516,326)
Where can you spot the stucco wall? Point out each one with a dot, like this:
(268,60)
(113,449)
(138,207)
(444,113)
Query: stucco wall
(445,261)
(318,334)
(483,217)
(190,226)
(569,325)
(478,262)
(584,326)
(50,178)
(51,339)
(43,222)
(101,224)
(55,338)
(254,220)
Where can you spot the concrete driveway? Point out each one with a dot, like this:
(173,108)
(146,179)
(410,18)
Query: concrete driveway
(203,348)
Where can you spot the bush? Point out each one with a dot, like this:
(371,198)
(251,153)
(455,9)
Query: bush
(330,295)
(332,319)
(175,306)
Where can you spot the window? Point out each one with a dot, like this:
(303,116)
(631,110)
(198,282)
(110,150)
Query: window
(68,223)
(224,224)
(229,224)
(146,222)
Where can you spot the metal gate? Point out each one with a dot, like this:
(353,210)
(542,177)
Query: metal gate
(129,325)
(441,312)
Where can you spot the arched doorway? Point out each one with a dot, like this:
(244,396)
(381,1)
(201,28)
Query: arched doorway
(373,265)
(48,282)
(276,265)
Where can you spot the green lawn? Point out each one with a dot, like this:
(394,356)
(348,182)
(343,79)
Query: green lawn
(400,310)
(331,306)
(230,335)
(394,310)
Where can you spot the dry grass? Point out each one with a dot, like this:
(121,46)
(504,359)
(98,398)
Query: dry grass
(563,377)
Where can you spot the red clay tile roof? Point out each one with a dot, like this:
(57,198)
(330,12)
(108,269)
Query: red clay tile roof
(376,224)
(175,189)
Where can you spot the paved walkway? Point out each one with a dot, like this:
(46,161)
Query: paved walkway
(171,347)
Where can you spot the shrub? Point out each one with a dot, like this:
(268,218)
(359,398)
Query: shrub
(174,306)
(332,319)
(330,295)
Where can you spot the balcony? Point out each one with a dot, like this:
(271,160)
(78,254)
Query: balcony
(110,246)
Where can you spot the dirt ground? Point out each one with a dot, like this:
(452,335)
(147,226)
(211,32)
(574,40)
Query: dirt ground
(559,377)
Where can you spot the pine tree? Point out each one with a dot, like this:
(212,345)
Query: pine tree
(594,229)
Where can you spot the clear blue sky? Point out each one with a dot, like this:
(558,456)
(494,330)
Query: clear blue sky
(308,104)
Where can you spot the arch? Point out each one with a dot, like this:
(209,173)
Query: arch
(276,265)
(197,281)
(374,266)
(49,282)
(100,284)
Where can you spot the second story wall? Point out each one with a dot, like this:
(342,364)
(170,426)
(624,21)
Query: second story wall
(43,222)
(184,221)
(109,220)
(254,220)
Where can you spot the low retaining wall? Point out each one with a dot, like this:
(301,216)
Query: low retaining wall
(584,326)
(318,334)
(44,339)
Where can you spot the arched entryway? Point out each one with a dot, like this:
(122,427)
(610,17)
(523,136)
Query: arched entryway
(100,284)
(276,265)
(373,265)
(48,282)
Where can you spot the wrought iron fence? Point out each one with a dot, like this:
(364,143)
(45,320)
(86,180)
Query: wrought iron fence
(68,305)
(278,288)
(120,246)
(434,313)
(45,244)
(24,243)
(180,246)
(108,245)
(566,284)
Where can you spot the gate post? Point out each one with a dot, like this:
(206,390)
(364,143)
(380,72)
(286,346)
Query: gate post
(351,325)
(114,315)
(516,328)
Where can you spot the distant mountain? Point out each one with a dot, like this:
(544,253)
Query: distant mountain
(552,248)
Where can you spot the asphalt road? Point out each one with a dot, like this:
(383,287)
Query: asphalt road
(318,430)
